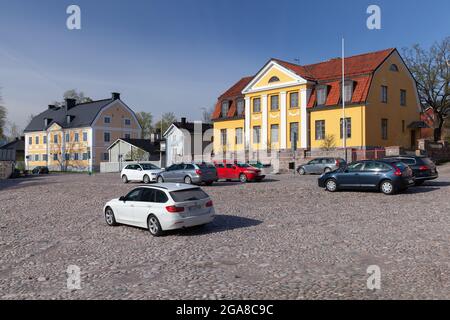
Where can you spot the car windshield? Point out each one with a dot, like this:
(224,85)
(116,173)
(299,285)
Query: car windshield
(243,165)
(149,166)
(188,195)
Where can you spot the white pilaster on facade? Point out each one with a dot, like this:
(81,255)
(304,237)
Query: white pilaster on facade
(247,131)
(304,119)
(264,110)
(283,119)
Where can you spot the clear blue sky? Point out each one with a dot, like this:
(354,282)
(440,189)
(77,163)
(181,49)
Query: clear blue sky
(180,55)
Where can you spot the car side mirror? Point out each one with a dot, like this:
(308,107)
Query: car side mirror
(122,199)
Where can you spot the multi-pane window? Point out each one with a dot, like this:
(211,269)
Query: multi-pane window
(348,91)
(77,137)
(403,126)
(107,119)
(224,110)
(384,129)
(223,137)
(37,139)
(55,157)
(274,133)
(348,125)
(240,105)
(384,94)
(67,156)
(30,140)
(127,135)
(274,103)
(67,137)
(105,156)
(45,139)
(293,100)
(85,156)
(85,136)
(320,129)
(321,95)
(127,122)
(44,157)
(293,131)
(257,134)
(55,138)
(239,136)
(76,156)
(257,105)
(36,157)
(106,136)
(403,97)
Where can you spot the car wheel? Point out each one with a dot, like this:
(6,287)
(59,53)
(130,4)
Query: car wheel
(242,178)
(301,171)
(124,179)
(387,187)
(110,218)
(146,179)
(187,180)
(160,179)
(327,170)
(154,226)
(419,182)
(331,185)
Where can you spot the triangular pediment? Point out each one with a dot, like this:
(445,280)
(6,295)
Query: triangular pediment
(273,76)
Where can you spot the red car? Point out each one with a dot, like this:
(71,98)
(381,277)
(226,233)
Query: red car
(238,171)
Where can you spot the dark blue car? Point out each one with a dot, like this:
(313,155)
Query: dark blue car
(387,176)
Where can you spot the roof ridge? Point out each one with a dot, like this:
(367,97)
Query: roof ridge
(93,101)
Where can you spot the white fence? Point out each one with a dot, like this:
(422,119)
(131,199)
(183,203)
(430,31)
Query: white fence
(106,167)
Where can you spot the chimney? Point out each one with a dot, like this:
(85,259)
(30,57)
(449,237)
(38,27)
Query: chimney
(116,96)
(70,103)
(183,120)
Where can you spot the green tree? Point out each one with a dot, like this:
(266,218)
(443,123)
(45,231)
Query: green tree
(145,119)
(73,94)
(431,69)
(165,122)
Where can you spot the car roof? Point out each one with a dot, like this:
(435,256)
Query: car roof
(171,186)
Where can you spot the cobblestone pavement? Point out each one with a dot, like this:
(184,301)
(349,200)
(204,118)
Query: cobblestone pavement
(284,238)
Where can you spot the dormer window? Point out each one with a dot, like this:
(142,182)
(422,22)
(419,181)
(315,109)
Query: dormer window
(274,79)
(348,90)
(240,107)
(225,107)
(322,92)
(393,67)
(69,119)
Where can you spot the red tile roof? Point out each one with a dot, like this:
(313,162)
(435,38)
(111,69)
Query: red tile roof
(232,95)
(358,68)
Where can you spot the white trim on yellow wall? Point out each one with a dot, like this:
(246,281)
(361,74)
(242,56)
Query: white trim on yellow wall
(283,106)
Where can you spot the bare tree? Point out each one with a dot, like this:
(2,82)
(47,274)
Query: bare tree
(166,121)
(431,69)
(3,113)
(145,119)
(207,114)
(73,94)
(329,143)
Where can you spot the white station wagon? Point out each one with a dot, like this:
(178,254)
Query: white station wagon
(161,207)
(142,172)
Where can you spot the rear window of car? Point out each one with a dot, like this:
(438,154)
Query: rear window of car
(408,161)
(188,195)
(205,165)
(427,161)
(401,165)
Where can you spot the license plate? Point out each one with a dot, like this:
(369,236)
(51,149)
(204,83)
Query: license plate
(195,208)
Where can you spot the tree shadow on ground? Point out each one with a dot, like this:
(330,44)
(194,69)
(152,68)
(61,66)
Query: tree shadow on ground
(221,223)
(24,182)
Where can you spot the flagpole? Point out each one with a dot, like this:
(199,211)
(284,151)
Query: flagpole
(344,122)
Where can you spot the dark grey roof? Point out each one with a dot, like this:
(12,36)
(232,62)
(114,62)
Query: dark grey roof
(418,125)
(83,114)
(189,126)
(18,144)
(144,144)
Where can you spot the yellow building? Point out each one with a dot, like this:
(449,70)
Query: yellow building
(76,137)
(287,105)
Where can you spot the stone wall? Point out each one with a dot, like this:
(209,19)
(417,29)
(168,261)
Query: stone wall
(6,169)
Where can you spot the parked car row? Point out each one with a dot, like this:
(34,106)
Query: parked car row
(389,175)
(192,173)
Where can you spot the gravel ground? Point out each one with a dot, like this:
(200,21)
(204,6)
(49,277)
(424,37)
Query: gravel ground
(284,238)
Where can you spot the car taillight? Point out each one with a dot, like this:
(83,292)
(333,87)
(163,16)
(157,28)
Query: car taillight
(397,172)
(209,203)
(423,168)
(199,172)
(337,163)
(174,209)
